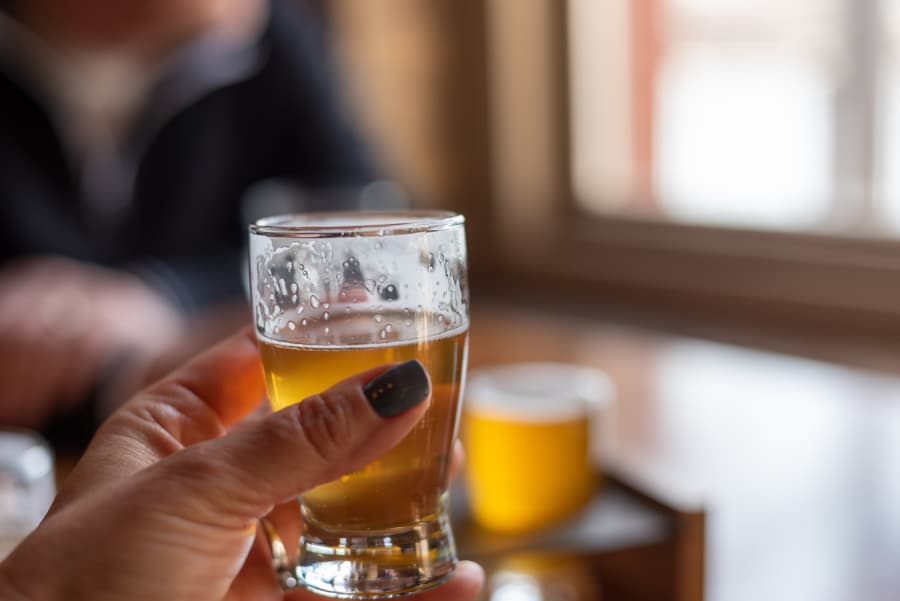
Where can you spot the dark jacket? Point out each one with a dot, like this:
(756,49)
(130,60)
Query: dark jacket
(172,211)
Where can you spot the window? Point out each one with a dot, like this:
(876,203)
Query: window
(743,113)
(727,153)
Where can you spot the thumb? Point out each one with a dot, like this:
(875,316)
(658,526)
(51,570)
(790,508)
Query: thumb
(243,474)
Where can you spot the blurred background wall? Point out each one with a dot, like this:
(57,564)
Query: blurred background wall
(680,160)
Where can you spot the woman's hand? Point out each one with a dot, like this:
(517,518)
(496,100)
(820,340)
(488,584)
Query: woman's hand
(164,504)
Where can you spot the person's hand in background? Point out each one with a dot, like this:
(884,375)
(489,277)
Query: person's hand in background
(62,323)
(164,504)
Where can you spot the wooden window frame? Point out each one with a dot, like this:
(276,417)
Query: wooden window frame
(539,240)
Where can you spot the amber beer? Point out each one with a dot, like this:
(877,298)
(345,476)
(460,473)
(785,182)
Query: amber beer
(527,430)
(526,472)
(406,485)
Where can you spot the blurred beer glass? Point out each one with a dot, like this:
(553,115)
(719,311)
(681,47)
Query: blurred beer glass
(527,430)
(542,577)
(335,294)
(27,485)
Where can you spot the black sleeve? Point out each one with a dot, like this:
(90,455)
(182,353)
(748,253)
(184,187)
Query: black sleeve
(306,119)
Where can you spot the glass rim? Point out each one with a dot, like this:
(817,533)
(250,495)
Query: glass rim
(367,223)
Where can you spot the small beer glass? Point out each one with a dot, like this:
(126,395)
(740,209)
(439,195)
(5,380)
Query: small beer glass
(335,294)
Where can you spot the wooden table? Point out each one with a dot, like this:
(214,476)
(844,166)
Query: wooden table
(797,462)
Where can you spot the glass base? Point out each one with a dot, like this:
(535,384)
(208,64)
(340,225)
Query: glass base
(374,564)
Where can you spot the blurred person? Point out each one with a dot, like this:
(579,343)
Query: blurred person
(165,503)
(130,132)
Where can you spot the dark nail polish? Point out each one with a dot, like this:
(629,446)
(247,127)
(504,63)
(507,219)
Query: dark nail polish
(398,389)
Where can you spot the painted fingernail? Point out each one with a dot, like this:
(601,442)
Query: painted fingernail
(398,389)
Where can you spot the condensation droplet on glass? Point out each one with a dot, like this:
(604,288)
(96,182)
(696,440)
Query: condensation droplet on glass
(282,286)
(290,266)
(260,322)
(326,305)
(294,287)
(379,318)
(407,322)
(378,245)
(382,279)
(293,298)
(430,262)
(326,316)
(305,274)
(389,293)
(304,322)
(347,309)
(327,329)
(292,325)
(370,285)
(300,309)
(314,301)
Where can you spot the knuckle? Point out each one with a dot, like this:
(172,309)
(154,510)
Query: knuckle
(204,479)
(326,425)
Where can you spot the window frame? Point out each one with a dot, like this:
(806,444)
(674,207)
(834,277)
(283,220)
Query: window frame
(539,239)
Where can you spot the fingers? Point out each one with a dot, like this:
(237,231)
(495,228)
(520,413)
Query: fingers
(464,585)
(226,379)
(285,519)
(457,460)
(242,475)
(195,403)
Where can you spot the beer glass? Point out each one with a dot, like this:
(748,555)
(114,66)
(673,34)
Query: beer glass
(527,430)
(27,485)
(335,294)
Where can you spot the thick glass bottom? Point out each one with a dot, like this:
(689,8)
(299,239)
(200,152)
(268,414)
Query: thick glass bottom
(375,564)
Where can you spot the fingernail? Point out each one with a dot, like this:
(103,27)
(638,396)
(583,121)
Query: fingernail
(398,389)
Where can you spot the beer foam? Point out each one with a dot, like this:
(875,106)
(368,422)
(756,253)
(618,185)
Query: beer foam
(537,392)
(365,338)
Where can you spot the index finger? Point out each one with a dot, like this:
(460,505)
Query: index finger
(197,402)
